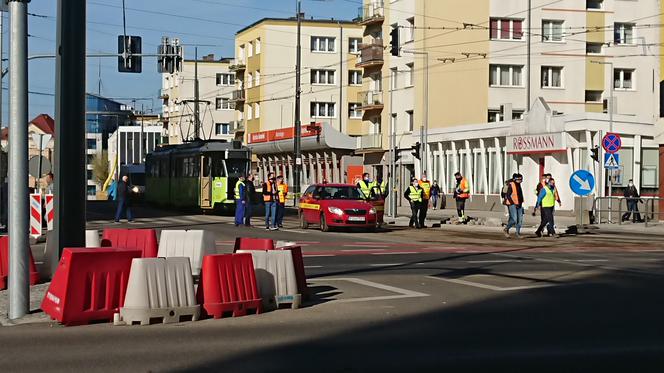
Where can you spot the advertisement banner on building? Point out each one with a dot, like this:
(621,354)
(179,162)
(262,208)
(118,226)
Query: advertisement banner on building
(537,143)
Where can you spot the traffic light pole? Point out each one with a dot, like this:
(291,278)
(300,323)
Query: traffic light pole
(197,122)
(297,169)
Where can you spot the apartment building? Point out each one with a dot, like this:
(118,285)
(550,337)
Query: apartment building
(216,109)
(264,95)
(488,78)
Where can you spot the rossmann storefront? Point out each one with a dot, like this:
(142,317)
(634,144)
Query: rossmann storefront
(488,154)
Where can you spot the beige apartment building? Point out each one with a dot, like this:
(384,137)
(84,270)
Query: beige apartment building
(331,84)
(216,111)
(475,81)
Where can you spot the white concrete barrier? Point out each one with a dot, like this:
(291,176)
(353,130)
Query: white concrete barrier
(194,244)
(92,238)
(275,275)
(159,290)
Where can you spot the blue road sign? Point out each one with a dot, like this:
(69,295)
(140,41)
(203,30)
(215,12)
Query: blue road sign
(582,182)
(612,161)
(611,143)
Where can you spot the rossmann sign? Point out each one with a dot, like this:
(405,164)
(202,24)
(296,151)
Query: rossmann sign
(540,143)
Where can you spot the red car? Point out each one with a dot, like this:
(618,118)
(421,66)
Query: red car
(339,205)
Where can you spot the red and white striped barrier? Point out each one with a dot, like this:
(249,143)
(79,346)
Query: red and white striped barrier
(35,215)
(49,212)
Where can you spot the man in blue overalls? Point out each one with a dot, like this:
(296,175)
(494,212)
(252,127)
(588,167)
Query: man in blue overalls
(240,201)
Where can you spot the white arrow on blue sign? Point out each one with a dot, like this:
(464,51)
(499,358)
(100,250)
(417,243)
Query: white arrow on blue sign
(582,182)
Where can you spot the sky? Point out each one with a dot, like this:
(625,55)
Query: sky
(209,23)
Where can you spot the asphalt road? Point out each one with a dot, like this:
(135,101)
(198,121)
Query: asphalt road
(451,299)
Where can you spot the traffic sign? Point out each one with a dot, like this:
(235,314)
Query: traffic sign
(41,140)
(611,143)
(611,161)
(33,166)
(582,182)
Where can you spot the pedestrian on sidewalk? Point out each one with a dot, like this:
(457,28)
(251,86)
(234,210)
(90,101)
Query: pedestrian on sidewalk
(240,201)
(435,194)
(251,199)
(633,198)
(545,181)
(546,201)
(513,199)
(270,197)
(414,195)
(282,188)
(123,195)
(425,184)
(461,195)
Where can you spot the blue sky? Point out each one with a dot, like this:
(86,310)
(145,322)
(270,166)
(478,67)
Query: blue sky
(208,22)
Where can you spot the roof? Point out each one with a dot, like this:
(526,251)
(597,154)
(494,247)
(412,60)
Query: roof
(304,20)
(43,122)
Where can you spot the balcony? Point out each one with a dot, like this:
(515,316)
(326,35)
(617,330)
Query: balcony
(374,141)
(371,14)
(371,55)
(237,66)
(238,95)
(371,100)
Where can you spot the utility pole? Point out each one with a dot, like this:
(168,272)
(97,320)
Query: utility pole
(70,159)
(528,46)
(2,179)
(197,122)
(297,170)
(19,287)
(341,74)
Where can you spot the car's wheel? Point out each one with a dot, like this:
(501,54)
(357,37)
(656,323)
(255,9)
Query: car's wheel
(323,223)
(303,221)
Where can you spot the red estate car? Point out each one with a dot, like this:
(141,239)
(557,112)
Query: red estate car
(339,205)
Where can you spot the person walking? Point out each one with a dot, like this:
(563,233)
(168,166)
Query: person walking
(251,199)
(365,185)
(123,198)
(461,195)
(633,197)
(546,201)
(544,181)
(414,195)
(282,188)
(270,197)
(435,194)
(425,184)
(513,199)
(379,187)
(240,201)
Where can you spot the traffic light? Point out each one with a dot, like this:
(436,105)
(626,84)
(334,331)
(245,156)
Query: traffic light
(394,41)
(416,150)
(129,49)
(170,56)
(594,153)
(397,155)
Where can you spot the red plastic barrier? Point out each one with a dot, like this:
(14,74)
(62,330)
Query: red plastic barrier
(141,239)
(89,285)
(245,243)
(4,264)
(228,286)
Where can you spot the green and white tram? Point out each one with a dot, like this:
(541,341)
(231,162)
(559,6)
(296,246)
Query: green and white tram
(200,174)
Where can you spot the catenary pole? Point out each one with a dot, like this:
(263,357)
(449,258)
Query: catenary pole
(19,288)
(298,120)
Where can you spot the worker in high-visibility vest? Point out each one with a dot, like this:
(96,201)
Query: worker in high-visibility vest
(240,201)
(270,197)
(425,184)
(282,189)
(365,185)
(461,195)
(379,187)
(414,195)
(546,201)
(513,199)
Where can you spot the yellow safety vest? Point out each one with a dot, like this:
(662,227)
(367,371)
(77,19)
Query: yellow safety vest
(415,194)
(366,188)
(549,199)
(283,189)
(237,188)
(426,187)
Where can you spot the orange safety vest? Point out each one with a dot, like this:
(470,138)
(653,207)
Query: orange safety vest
(267,197)
(515,195)
(465,191)
(426,187)
(283,190)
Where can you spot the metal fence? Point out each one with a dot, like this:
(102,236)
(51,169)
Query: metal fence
(652,209)
(609,207)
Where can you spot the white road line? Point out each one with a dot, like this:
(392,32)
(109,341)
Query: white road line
(491,261)
(317,256)
(365,245)
(587,260)
(386,265)
(395,253)
(402,293)
(489,287)
(39,262)
(352,250)
(306,267)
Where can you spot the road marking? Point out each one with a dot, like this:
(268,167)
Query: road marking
(316,256)
(402,293)
(395,253)
(587,260)
(386,265)
(492,261)
(306,267)
(39,262)
(365,245)
(490,287)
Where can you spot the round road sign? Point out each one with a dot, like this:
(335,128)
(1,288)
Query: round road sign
(611,143)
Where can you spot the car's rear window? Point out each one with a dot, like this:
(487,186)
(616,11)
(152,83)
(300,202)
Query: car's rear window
(342,192)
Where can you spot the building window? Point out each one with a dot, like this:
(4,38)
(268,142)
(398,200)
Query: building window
(411,120)
(623,78)
(250,49)
(92,144)
(650,168)
(226,79)
(222,103)
(250,80)
(393,78)
(322,44)
(594,4)
(552,31)
(355,77)
(354,45)
(258,46)
(322,77)
(410,77)
(221,128)
(240,54)
(506,29)
(594,96)
(552,77)
(506,75)
(250,112)
(594,48)
(410,29)
(517,114)
(323,110)
(354,111)
(623,33)
(92,190)
(89,174)
(257,78)
(257,110)
(494,116)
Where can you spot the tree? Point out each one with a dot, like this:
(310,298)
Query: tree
(100,167)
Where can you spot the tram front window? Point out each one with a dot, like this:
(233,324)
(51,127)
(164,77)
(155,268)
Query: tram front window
(237,167)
